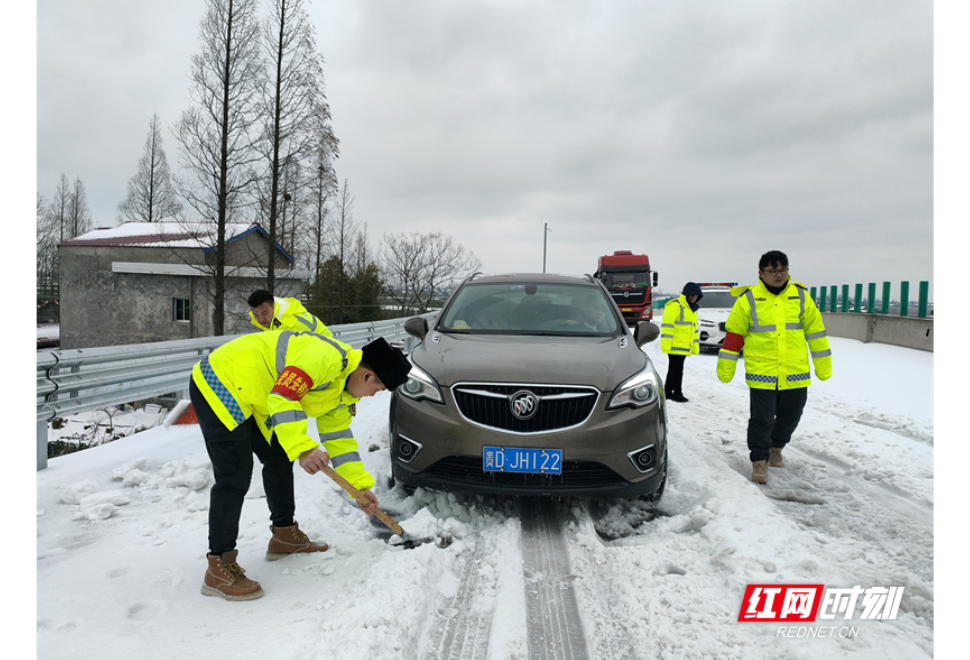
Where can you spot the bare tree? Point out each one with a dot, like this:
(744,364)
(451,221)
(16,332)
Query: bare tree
(79,214)
(322,189)
(151,197)
(417,266)
(215,135)
(66,217)
(46,253)
(345,235)
(294,110)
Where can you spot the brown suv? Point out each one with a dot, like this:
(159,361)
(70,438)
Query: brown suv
(531,385)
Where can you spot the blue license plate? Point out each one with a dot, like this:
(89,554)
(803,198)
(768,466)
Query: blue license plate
(526,461)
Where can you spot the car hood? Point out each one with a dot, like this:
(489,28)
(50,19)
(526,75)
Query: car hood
(715,314)
(552,360)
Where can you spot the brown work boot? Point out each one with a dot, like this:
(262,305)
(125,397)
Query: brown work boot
(775,459)
(226,579)
(287,540)
(759,472)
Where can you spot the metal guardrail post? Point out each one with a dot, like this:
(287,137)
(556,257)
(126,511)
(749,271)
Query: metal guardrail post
(904,299)
(41,445)
(821,299)
(833,290)
(924,295)
(885,297)
(871,302)
(845,298)
(857,303)
(811,293)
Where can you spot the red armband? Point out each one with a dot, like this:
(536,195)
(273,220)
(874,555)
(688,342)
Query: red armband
(733,342)
(293,383)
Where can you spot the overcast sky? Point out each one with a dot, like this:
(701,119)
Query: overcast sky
(701,133)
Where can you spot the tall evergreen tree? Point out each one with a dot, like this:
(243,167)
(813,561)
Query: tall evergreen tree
(294,113)
(215,135)
(151,197)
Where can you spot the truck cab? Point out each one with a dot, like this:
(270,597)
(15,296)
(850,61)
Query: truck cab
(630,281)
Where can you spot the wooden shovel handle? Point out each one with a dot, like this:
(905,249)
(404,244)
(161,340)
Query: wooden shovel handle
(346,485)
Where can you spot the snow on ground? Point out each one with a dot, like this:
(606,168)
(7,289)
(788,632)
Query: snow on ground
(121,542)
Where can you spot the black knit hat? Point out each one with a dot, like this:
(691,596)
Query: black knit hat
(390,364)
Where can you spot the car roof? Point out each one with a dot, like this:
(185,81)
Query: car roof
(538,278)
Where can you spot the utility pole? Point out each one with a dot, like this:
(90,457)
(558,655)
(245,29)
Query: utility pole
(545,230)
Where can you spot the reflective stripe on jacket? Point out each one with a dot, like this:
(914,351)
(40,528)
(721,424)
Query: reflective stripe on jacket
(290,314)
(779,333)
(678,329)
(282,378)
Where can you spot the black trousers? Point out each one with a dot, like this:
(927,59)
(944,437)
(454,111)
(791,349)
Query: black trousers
(675,374)
(231,453)
(774,417)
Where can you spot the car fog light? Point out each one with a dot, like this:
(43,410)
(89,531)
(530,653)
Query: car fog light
(644,459)
(407,449)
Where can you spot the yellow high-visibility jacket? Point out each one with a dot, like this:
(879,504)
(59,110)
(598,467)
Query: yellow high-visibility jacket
(290,314)
(776,332)
(281,378)
(678,329)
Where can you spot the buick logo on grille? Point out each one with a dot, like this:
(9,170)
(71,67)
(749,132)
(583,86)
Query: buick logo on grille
(524,404)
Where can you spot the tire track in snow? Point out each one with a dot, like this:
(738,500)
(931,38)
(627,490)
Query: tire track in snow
(459,629)
(555,627)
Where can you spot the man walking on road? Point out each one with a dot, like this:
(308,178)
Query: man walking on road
(778,326)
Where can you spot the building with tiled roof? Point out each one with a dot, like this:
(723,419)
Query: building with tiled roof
(142,282)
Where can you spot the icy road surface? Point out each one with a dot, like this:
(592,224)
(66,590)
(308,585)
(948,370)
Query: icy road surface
(121,541)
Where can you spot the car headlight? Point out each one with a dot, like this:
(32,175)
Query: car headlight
(640,390)
(420,385)
(708,324)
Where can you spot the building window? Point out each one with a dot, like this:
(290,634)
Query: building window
(181,309)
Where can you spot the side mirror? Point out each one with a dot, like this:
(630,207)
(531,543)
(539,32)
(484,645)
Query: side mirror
(655,278)
(645,333)
(416,327)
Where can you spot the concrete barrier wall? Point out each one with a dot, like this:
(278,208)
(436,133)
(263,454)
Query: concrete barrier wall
(906,331)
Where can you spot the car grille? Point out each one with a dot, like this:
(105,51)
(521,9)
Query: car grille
(550,416)
(722,326)
(574,474)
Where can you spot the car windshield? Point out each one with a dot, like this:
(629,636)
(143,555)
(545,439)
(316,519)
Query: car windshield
(617,280)
(717,300)
(528,308)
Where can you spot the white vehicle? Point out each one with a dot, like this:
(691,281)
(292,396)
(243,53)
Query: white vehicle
(713,313)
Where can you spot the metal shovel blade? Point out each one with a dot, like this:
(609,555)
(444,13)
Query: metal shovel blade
(407,541)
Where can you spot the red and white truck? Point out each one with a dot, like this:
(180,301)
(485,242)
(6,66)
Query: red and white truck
(630,281)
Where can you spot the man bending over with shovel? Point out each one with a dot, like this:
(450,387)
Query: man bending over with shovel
(253,395)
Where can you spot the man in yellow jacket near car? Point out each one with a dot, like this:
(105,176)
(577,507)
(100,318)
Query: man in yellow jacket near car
(778,327)
(679,338)
(253,395)
(268,312)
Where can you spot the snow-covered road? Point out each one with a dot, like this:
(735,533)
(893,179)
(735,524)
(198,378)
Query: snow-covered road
(121,541)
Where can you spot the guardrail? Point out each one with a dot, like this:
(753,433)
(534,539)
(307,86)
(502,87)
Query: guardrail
(85,379)
(828,299)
